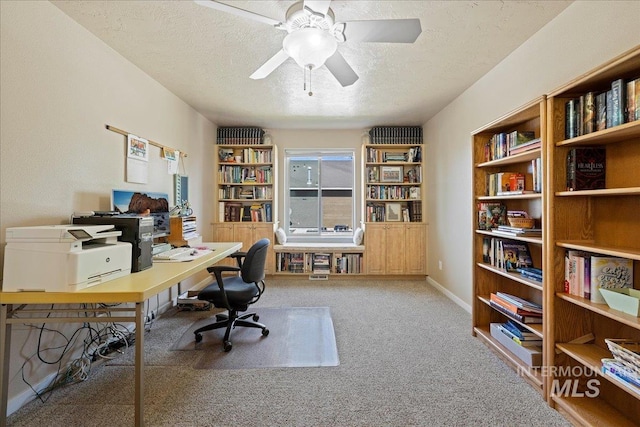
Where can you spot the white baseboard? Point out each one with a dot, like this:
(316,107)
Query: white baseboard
(18,401)
(449,294)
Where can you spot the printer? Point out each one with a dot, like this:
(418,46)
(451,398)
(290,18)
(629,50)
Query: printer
(63,258)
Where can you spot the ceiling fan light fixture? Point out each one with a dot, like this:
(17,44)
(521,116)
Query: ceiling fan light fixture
(310,47)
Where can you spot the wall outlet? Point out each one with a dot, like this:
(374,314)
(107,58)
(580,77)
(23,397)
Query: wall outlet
(439,265)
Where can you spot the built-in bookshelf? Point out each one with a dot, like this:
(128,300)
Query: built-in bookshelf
(246,189)
(600,221)
(394,194)
(318,260)
(508,155)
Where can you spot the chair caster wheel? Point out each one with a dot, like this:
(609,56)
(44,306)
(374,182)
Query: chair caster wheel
(227,346)
(256,317)
(198,337)
(265,332)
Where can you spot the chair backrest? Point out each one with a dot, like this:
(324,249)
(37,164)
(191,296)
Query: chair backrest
(253,264)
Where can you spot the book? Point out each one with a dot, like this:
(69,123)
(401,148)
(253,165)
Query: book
(617,102)
(520,331)
(520,302)
(630,106)
(522,342)
(586,168)
(609,273)
(518,317)
(514,307)
(516,255)
(570,126)
(491,215)
(601,111)
(589,113)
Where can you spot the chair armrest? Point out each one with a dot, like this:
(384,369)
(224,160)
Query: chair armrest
(217,270)
(239,256)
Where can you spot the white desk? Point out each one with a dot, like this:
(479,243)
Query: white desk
(134,288)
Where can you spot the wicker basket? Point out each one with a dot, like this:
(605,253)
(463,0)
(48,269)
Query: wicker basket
(626,351)
(522,222)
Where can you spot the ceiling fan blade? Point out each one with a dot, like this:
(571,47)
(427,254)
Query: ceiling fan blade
(383,31)
(341,70)
(318,6)
(274,62)
(237,11)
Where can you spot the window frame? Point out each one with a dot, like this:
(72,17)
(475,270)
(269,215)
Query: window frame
(320,235)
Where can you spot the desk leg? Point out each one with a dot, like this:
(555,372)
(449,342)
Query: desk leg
(5,356)
(139,366)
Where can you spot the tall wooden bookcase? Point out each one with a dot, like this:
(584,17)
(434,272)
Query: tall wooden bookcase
(488,278)
(606,222)
(601,222)
(393,204)
(246,195)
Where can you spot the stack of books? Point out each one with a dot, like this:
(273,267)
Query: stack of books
(506,230)
(516,308)
(520,335)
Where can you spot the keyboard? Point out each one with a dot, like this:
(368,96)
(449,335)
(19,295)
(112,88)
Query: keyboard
(175,253)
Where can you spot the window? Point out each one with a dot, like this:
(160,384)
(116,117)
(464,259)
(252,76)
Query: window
(319,196)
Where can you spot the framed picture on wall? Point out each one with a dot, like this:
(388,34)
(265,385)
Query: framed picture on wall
(391,174)
(393,212)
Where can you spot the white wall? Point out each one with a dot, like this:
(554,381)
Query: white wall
(60,87)
(585,35)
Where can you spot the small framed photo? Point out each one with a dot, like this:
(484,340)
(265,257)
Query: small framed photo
(391,174)
(393,212)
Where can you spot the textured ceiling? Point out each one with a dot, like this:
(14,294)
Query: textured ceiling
(205,57)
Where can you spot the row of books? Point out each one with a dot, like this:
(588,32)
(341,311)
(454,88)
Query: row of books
(396,135)
(240,135)
(586,168)
(409,212)
(243,174)
(585,273)
(250,193)
(238,212)
(595,111)
(505,183)
(246,155)
(505,254)
(318,263)
(517,308)
(505,144)
(392,192)
(412,155)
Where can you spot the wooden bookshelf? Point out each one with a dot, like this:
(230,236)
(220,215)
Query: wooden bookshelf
(246,191)
(489,278)
(603,221)
(393,201)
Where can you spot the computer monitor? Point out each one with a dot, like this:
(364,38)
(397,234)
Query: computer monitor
(128,202)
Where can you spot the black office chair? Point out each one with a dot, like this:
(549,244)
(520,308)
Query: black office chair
(236,293)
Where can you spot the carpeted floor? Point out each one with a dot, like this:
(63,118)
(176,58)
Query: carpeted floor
(407,358)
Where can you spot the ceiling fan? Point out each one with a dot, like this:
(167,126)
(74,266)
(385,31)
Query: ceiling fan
(313,36)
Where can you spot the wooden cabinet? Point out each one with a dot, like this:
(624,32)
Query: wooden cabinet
(492,159)
(395,249)
(603,222)
(248,234)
